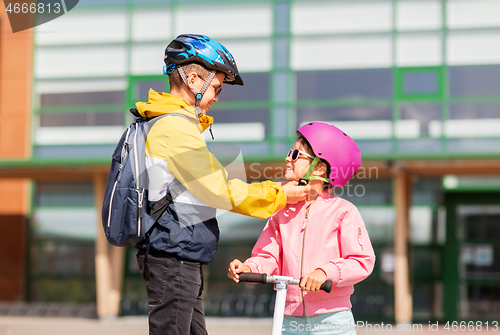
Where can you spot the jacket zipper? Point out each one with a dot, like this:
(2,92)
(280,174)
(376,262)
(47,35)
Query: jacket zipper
(302,257)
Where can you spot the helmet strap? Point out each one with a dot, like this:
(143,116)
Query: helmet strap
(197,95)
(307,177)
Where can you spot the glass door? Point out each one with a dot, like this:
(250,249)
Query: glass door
(471,259)
(479,260)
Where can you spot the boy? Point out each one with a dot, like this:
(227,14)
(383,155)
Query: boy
(178,162)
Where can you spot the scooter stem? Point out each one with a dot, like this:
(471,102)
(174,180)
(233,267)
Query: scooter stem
(279,307)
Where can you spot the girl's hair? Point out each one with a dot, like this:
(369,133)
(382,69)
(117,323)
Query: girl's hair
(308,148)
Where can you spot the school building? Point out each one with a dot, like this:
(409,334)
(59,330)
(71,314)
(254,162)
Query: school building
(416,83)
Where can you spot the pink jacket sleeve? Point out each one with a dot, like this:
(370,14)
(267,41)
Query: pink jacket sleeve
(266,253)
(357,257)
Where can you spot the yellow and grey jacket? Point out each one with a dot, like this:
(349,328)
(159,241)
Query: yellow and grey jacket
(175,149)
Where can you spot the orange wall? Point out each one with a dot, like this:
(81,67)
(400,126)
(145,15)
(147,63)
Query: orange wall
(16,58)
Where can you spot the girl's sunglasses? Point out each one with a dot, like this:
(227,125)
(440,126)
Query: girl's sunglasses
(295,153)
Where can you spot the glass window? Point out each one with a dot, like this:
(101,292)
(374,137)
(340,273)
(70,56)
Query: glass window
(64,259)
(423,114)
(84,98)
(480,301)
(341,52)
(359,122)
(472,14)
(107,27)
(420,83)
(75,151)
(64,194)
(151,1)
(62,271)
(151,24)
(81,119)
(345,84)
(78,135)
(427,191)
(241,116)
(248,20)
(418,15)
(474,146)
(81,61)
(419,49)
(244,52)
(256,88)
(102,2)
(420,146)
(475,111)
(142,88)
(147,59)
(474,80)
(366,189)
(76,223)
(469,120)
(340,16)
(473,47)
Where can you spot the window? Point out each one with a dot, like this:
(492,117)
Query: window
(423,82)
(474,80)
(419,83)
(346,84)
(256,88)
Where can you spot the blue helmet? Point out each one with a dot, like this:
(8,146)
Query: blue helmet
(201,49)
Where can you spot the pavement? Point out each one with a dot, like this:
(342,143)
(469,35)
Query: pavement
(20,325)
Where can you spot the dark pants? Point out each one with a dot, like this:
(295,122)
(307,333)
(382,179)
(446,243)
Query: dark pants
(174,294)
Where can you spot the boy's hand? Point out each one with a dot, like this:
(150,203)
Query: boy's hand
(294,192)
(236,267)
(313,281)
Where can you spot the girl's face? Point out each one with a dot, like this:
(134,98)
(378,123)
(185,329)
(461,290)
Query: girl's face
(298,168)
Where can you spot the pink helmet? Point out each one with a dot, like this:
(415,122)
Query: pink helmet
(334,146)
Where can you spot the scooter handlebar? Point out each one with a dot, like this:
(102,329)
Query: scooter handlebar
(253,277)
(262,278)
(326,286)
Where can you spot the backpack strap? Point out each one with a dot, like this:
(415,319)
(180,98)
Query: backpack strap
(174,189)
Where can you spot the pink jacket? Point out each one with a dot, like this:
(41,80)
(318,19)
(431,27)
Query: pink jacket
(328,234)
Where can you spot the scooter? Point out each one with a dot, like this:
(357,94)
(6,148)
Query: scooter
(280,286)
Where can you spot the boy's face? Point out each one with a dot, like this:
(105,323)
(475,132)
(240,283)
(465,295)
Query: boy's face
(210,95)
(298,168)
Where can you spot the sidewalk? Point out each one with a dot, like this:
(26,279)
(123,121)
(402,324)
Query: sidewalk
(12,325)
(18,325)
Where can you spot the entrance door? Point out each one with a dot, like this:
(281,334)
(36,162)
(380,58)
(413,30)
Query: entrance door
(472,256)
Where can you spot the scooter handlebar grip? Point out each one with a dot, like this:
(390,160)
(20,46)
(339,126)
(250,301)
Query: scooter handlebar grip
(326,286)
(253,277)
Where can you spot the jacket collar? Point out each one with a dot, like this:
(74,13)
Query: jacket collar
(165,103)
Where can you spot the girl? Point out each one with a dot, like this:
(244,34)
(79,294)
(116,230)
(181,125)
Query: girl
(323,237)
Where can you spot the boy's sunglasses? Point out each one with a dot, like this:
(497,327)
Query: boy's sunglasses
(295,153)
(217,90)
